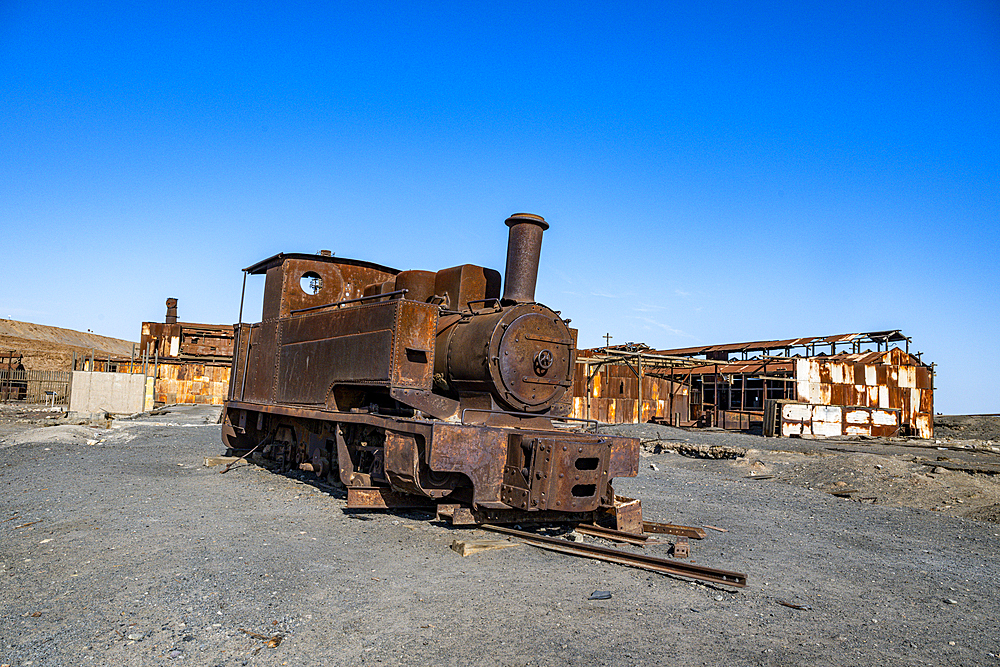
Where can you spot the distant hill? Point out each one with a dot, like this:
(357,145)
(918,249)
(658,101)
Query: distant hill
(48,348)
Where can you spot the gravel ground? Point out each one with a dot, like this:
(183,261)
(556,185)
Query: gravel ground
(118,547)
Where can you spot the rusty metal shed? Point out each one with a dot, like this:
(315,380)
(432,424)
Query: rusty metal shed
(190,360)
(730,385)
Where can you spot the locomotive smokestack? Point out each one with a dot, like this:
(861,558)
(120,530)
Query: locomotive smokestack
(524,246)
(171,311)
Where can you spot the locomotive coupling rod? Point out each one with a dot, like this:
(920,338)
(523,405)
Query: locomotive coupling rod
(230,465)
(641,561)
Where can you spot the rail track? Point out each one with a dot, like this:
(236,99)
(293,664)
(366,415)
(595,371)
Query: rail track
(641,561)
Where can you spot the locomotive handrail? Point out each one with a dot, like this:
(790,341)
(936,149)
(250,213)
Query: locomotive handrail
(529,414)
(493,299)
(398,292)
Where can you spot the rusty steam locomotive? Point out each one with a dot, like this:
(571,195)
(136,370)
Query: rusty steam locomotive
(416,388)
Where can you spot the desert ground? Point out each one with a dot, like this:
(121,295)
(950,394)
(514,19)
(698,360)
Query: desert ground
(118,546)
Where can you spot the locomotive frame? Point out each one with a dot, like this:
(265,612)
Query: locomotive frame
(421,389)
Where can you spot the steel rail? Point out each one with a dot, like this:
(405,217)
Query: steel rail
(641,561)
(615,535)
(671,529)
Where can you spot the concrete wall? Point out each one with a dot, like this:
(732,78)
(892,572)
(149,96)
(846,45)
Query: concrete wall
(117,393)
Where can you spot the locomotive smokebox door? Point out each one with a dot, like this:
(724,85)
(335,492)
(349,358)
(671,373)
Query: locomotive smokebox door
(531,351)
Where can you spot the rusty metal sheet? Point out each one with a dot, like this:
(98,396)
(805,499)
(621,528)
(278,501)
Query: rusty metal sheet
(460,285)
(419,285)
(262,364)
(366,350)
(381,497)
(413,347)
(924,378)
(568,473)
(478,452)
(891,336)
(628,515)
(328,280)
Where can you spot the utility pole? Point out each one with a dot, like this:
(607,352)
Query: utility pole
(607,339)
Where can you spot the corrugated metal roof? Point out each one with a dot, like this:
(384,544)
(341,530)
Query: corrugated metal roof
(891,336)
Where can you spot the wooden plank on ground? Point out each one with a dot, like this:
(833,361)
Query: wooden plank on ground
(212,461)
(469,547)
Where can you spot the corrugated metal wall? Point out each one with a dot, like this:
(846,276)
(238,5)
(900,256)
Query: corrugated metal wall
(891,379)
(614,396)
(191,383)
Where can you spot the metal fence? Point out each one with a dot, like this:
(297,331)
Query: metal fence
(35,386)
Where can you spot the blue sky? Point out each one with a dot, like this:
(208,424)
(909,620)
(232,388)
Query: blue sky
(712,174)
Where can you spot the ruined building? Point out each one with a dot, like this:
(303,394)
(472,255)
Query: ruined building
(848,384)
(191,361)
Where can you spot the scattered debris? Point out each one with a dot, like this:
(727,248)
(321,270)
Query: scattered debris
(273,641)
(232,463)
(711,451)
(613,535)
(792,605)
(30,523)
(600,595)
(672,529)
(721,530)
(641,561)
(681,548)
(212,461)
(470,547)
(985,468)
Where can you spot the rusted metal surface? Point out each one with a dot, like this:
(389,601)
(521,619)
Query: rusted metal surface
(528,350)
(457,287)
(380,497)
(628,515)
(720,390)
(810,343)
(672,529)
(191,383)
(880,383)
(788,418)
(456,515)
(355,367)
(296,281)
(615,535)
(557,472)
(173,340)
(192,361)
(642,561)
(524,247)
(171,311)
(681,548)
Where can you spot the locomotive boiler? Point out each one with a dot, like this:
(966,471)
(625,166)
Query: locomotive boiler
(421,388)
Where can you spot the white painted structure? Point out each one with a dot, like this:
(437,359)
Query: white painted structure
(116,393)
